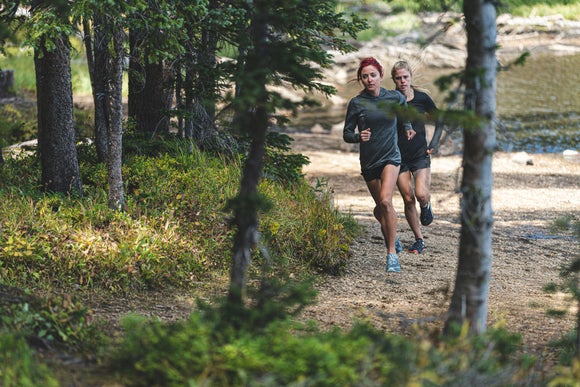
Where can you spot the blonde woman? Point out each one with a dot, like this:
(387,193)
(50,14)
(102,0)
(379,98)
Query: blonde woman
(416,155)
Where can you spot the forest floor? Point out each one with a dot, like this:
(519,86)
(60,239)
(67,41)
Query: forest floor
(530,192)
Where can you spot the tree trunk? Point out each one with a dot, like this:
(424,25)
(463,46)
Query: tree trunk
(207,87)
(253,119)
(188,129)
(6,83)
(97,60)
(150,90)
(56,135)
(199,124)
(115,132)
(469,300)
(179,102)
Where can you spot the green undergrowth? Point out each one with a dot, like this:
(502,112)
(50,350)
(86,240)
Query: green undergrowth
(174,230)
(252,346)
(260,343)
(16,124)
(174,233)
(32,327)
(18,365)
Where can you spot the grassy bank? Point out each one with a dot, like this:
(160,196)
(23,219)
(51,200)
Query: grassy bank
(174,231)
(174,235)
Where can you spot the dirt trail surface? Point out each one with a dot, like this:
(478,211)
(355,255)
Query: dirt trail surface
(530,192)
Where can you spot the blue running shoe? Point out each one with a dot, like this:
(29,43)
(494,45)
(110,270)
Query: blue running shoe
(398,245)
(417,247)
(393,265)
(426,215)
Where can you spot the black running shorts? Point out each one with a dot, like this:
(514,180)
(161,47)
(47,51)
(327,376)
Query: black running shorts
(415,164)
(376,173)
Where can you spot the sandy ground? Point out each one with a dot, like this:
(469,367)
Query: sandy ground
(526,255)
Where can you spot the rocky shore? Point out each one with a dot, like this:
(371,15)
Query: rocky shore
(440,42)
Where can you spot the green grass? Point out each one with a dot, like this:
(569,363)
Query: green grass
(570,11)
(18,365)
(175,227)
(21,60)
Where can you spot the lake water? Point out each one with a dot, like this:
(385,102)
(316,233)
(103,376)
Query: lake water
(538,104)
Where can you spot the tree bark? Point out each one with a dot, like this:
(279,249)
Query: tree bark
(469,300)
(96,44)
(56,135)
(254,119)
(150,89)
(207,87)
(115,127)
(6,83)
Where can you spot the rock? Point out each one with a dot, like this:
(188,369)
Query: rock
(522,158)
(446,37)
(571,154)
(317,128)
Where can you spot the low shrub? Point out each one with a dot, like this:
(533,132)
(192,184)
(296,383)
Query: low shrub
(309,229)
(58,320)
(175,230)
(18,367)
(230,346)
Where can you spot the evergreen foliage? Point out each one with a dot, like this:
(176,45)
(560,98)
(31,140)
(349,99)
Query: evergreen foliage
(18,366)
(261,345)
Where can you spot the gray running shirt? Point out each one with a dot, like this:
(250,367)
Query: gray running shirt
(378,114)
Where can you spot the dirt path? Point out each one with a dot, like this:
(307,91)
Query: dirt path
(526,256)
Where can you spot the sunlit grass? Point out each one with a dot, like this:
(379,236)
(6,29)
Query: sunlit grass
(21,60)
(569,11)
(400,23)
(173,232)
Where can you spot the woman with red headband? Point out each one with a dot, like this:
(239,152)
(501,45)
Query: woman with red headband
(374,113)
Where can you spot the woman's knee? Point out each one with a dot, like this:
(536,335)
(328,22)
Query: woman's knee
(409,199)
(386,204)
(422,197)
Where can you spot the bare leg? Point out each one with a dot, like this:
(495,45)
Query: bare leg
(382,193)
(422,185)
(411,214)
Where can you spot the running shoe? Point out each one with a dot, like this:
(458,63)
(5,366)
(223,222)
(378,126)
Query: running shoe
(393,265)
(417,247)
(398,245)
(426,215)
